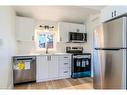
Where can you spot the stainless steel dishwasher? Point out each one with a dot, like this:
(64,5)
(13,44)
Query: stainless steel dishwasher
(24,69)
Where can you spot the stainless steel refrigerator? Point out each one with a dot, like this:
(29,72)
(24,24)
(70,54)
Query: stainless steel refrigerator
(109,55)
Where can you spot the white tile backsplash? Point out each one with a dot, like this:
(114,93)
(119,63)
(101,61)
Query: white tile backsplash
(25,47)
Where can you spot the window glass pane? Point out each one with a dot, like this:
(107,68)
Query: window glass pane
(42,40)
(50,40)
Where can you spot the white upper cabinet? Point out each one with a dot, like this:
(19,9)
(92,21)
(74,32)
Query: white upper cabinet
(76,28)
(64,28)
(63,32)
(106,14)
(24,29)
(112,12)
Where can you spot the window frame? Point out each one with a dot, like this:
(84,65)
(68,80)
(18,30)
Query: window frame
(37,42)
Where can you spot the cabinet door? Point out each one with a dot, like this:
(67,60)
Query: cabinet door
(106,14)
(42,68)
(63,32)
(53,67)
(76,28)
(120,10)
(111,12)
(24,29)
(64,29)
(65,72)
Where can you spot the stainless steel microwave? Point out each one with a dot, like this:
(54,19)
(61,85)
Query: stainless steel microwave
(77,37)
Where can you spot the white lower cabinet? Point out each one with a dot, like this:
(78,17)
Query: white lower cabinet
(42,68)
(51,67)
(64,66)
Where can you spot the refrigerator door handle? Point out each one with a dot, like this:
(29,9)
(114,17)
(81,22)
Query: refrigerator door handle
(123,48)
(109,48)
(115,49)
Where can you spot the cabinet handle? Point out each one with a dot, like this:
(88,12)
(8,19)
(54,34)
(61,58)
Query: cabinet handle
(65,63)
(112,14)
(32,38)
(65,57)
(60,38)
(49,58)
(65,71)
(115,13)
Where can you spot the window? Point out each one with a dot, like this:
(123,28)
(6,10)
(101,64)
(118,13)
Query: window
(44,39)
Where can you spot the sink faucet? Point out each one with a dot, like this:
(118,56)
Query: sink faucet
(46,48)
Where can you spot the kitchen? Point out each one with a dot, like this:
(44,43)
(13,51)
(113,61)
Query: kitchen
(56,47)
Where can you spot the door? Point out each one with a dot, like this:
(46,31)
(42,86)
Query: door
(28,71)
(73,27)
(115,33)
(42,68)
(114,69)
(106,14)
(53,67)
(109,69)
(63,28)
(24,29)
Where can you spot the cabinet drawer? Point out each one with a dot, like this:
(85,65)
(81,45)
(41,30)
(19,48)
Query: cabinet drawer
(65,58)
(65,72)
(64,65)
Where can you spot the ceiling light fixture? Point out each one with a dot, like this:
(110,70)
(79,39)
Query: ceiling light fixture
(46,26)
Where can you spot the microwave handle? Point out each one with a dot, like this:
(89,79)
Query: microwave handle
(85,37)
(69,36)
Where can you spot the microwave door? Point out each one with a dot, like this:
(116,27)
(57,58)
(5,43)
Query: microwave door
(76,37)
(80,36)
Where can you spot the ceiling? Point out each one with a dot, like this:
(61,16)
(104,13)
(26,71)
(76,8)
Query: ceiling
(76,14)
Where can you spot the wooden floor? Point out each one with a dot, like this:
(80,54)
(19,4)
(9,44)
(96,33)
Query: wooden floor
(80,83)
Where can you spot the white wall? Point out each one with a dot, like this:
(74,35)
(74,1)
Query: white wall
(7,46)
